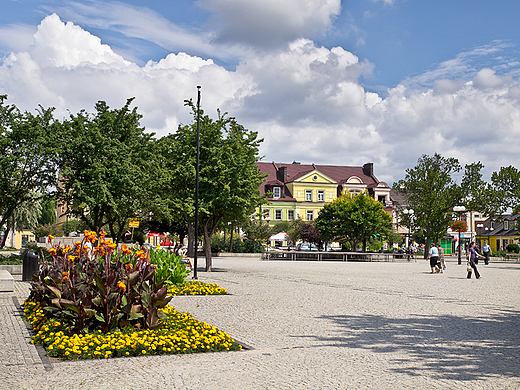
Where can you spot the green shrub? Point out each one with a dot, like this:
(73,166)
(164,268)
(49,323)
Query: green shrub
(107,291)
(45,230)
(513,248)
(11,259)
(168,267)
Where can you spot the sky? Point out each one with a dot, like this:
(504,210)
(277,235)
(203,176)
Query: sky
(322,81)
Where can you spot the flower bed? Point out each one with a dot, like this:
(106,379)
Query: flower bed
(179,333)
(97,301)
(196,288)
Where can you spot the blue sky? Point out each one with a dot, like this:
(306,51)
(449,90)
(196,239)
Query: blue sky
(330,81)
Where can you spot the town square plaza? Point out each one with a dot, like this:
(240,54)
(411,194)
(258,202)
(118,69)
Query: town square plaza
(312,325)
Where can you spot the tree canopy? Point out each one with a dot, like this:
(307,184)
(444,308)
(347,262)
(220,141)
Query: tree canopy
(28,160)
(353,219)
(229,180)
(107,167)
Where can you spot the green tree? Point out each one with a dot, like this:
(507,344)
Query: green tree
(107,168)
(354,219)
(28,160)
(432,192)
(504,193)
(229,180)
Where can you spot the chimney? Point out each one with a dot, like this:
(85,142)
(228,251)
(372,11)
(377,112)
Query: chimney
(368,169)
(281,174)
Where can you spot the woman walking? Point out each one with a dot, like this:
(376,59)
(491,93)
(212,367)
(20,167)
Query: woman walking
(472,260)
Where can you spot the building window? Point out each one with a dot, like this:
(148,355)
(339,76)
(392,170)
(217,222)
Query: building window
(290,215)
(381,199)
(277,192)
(278,215)
(321,196)
(310,215)
(355,192)
(308,195)
(506,225)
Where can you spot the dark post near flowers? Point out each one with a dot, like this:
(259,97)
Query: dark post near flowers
(197,189)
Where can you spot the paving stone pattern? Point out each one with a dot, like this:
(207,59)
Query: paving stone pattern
(314,325)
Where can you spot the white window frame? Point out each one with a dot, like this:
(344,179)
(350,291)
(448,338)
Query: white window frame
(311,213)
(321,195)
(276,213)
(277,192)
(308,195)
(290,215)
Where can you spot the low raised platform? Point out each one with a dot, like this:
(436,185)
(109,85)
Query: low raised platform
(6,281)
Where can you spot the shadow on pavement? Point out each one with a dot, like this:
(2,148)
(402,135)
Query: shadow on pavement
(447,347)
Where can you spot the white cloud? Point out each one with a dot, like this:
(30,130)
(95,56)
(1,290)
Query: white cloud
(68,68)
(146,24)
(16,37)
(268,22)
(305,100)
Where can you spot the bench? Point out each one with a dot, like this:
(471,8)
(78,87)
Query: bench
(6,281)
(512,256)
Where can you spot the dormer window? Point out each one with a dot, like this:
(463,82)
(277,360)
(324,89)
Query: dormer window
(506,225)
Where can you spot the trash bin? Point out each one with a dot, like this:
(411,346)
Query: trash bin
(31,264)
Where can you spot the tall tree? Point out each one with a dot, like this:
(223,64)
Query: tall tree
(107,168)
(432,192)
(354,219)
(229,180)
(29,158)
(504,191)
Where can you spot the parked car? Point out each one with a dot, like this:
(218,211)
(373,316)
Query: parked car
(305,246)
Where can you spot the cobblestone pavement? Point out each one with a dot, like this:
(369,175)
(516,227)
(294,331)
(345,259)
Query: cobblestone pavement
(314,325)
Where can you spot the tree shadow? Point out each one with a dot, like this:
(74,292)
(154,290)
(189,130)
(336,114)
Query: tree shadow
(448,347)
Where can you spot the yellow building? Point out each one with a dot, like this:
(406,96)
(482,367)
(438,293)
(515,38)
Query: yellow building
(301,190)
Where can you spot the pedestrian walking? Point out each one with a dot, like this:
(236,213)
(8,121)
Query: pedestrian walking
(433,255)
(441,257)
(486,249)
(471,262)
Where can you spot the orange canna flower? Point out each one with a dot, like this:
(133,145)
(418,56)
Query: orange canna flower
(121,286)
(66,248)
(50,237)
(71,258)
(52,251)
(99,250)
(125,250)
(65,278)
(129,267)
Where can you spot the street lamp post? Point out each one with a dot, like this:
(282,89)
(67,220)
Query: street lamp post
(197,168)
(409,213)
(459,210)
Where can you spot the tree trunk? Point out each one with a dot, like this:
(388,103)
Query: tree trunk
(207,248)
(191,240)
(231,238)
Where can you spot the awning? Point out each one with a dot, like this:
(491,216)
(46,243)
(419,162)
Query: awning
(282,236)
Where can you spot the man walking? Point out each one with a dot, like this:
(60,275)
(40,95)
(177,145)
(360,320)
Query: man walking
(486,249)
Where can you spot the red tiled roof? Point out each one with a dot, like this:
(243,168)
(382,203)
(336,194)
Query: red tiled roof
(339,174)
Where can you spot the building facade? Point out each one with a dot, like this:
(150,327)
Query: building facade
(301,190)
